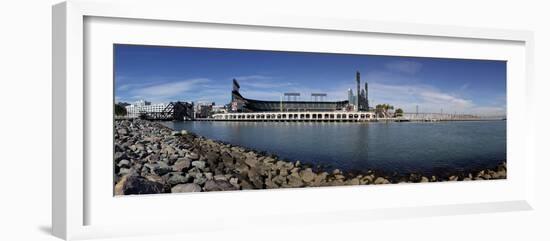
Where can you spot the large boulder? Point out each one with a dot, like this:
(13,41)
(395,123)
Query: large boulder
(307,175)
(175,178)
(192,156)
(251,161)
(199,178)
(212,158)
(133,184)
(241,168)
(181,164)
(227,159)
(122,131)
(189,187)
(294,180)
(199,164)
(354,181)
(319,179)
(159,168)
(123,163)
(381,180)
(255,177)
(218,185)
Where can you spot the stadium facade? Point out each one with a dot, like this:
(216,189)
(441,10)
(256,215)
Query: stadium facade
(355,103)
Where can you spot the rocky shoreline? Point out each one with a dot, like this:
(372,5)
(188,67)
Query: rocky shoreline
(150,158)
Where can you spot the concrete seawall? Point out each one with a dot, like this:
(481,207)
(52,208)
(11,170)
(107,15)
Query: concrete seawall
(151,158)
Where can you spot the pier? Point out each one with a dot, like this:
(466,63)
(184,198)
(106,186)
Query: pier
(344,116)
(295,116)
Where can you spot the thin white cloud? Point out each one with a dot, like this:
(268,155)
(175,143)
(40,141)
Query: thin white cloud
(164,92)
(407,67)
(439,97)
(428,99)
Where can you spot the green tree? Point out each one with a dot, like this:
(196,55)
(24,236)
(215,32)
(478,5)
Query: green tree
(120,110)
(399,112)
(383,110)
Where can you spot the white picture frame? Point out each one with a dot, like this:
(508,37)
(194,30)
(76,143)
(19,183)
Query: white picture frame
(72,192)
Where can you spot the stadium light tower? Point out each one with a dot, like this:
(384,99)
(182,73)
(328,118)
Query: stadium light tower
(321,96)
(290,96)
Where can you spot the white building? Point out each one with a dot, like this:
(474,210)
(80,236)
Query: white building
(203,109)
(142,106)
(219,109)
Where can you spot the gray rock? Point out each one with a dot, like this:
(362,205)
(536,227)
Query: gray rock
(234,181)
(241,168)
(279,180)
(320,179)
(294,180)
(200,179)
(168,150)
(176,133)
(124,163)
(193,156)
(381,180)
(283,172)
(124,171)
(268,160)
(354,181)
(153,158)
(245,185)
(122,131)
(368,179)
(155,178)
(133,184)
(183,132)
(188,187)
(500,174)
(120,155)
(424,179)
(218,185)
(220,178)
(199,164)
(307,175)
(177,178)
(227,159)
(159,168)
(255,177)
(140,147)
(212,157)
(270,183)
(181,164)
(339,177)
(251,161)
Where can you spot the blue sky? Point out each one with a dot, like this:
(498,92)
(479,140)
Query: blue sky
(164,74)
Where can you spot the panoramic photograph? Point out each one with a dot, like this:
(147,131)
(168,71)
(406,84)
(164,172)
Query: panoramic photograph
(190,119)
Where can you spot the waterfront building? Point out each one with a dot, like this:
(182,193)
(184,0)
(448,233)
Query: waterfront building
(366,99)
(351,100)
(217,109)
(298,116)
(143,107)
(204,109)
